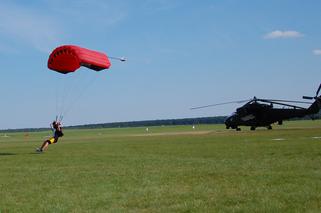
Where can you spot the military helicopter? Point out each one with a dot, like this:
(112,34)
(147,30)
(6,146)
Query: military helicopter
(258,112)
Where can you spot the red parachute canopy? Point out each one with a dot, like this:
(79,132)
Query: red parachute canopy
(69,58)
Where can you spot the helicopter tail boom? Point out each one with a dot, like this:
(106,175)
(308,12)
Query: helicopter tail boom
(315,107)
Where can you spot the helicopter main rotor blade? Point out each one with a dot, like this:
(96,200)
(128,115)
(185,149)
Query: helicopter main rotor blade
(284,104)
(285,101)
(230,102)
(281,100)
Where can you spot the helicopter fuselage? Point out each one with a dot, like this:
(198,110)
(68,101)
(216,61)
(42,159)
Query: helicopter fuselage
(261,115)
(259,112)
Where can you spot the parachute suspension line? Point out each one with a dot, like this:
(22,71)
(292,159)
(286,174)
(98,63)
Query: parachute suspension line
(80,94)
(75,92)
(59,118)
(60,89)
(71,85)
(64,89)
(57,108)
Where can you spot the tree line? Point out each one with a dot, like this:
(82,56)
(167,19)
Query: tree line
(147,123)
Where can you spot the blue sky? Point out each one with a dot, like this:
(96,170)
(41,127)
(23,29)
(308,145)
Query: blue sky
(180,54)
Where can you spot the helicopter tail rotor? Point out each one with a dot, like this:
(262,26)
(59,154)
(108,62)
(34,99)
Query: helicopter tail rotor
(318,90)
(316,94)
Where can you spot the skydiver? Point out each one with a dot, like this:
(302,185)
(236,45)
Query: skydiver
(57,133)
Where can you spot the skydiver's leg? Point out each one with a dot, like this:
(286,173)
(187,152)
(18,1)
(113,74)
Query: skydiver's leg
(44,146)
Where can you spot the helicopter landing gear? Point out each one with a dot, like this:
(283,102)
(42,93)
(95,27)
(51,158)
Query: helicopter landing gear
(269,127)
(253,128)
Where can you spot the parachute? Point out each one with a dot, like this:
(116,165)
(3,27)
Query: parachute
(68,58)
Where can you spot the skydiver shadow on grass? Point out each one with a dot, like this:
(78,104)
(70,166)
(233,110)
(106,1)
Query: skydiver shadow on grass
(56,127)
(6,153)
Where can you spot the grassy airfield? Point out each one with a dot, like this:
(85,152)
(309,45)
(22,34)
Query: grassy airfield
(167,169)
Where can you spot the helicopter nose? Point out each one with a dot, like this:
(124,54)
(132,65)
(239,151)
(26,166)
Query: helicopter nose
(228,120)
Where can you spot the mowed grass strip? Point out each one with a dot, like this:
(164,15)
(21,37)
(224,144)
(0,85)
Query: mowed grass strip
(130,169)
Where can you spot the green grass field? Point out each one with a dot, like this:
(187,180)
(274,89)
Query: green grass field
(167,169)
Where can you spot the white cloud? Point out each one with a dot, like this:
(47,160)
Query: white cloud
(31,27)
(283,34)
(317,52)
(46,24)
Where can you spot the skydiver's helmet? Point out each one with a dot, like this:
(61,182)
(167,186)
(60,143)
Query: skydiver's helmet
(55,124)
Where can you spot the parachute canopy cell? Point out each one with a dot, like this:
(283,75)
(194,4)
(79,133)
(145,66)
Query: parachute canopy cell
(68,58)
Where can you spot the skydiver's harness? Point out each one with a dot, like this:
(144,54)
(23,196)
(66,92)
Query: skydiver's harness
(56,134)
